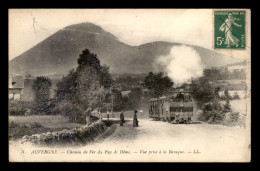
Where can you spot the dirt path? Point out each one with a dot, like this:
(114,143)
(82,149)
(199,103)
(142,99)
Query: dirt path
(161,141)
(157,135)
(159,131)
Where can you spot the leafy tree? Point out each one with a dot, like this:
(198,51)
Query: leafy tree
(236,96)
(87,85)
(134,97)
(227,95)
(125,103)
(157,83)
(105,77)
(66,87)
(207,99)
(125,82)
(41,87)
(216,91)
(87,59)
(227,106)
(84,89)
(212,74)
(203,90)
(117,100)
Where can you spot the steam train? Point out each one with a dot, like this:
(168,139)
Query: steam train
(177,108)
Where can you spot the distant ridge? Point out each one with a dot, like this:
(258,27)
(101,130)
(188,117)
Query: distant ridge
(58,53)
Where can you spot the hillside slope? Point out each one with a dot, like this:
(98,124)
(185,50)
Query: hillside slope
(58,53)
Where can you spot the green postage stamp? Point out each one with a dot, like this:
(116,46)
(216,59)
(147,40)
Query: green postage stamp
(229,29)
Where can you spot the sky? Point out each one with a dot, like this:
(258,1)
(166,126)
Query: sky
(130,26)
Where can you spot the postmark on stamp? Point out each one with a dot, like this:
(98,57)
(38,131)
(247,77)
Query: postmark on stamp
(229,29)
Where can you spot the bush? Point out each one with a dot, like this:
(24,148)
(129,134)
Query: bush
(46,108)
(227,107)
(12,124)
(236,96)
(234,117)
(16,130)
(18,108)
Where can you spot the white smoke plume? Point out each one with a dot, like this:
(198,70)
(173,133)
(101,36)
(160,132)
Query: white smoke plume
(181,65)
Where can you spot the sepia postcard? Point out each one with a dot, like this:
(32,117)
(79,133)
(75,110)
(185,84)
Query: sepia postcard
(129,85)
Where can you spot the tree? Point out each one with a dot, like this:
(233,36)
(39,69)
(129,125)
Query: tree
(157,83)
(87,85)
(125,103)
(227,95)
(87,59)
(203,90)
(65,97)
(236,96)
(84,89)
(105,77)
(212,74)
(117,100)
(90,76)
(207,99)
(41,87)
(227,106)
(66,87)
(134,97)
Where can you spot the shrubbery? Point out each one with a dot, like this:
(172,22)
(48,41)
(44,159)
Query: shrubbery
(18,108)
(18,130)
(208,100)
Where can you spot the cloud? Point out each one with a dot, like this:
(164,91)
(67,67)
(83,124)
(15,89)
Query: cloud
(181,65)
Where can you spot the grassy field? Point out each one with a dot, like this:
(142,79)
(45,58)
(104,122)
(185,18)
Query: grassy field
(36,124)
(47,121)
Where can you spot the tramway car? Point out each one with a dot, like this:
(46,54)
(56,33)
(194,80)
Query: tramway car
(177,108)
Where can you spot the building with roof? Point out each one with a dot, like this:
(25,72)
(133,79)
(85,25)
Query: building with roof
(236,68)
(15,87)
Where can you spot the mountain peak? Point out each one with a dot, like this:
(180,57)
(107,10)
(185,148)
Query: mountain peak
(90,28)
(84,26)
(58,53)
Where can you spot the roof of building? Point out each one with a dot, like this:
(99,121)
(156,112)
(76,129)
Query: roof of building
(16,82)
(237,67)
